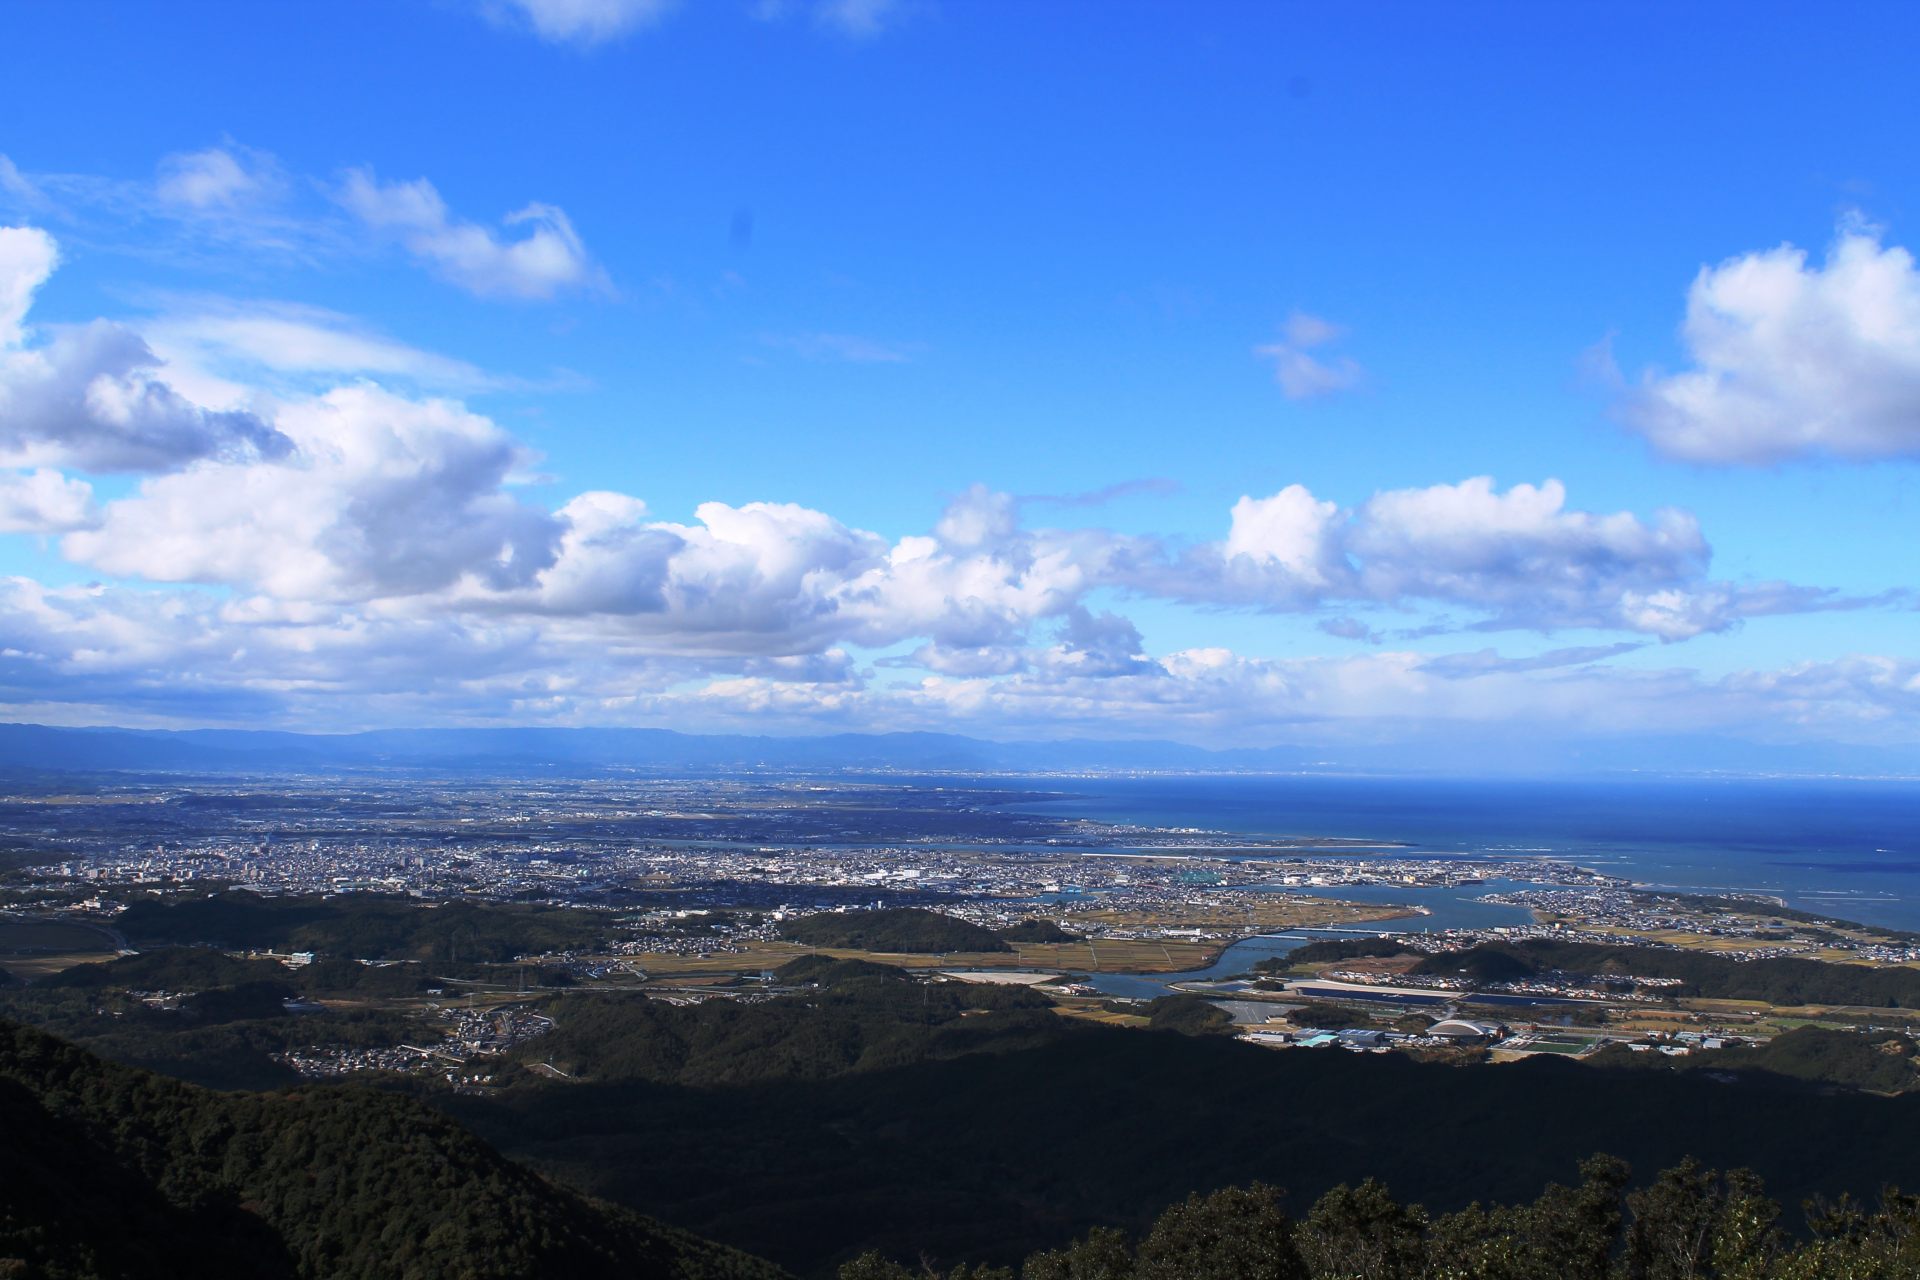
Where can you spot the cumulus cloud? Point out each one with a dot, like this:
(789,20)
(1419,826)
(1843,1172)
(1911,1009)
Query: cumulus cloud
(981,660)
(1098,645)
(28,256)
(134,656)
(775,578)
(1792,359)
(546,258)
(581,22)
(106,653)
(44,501)
(763,578)
(361,494)
(1520,558)
(379,496)
(92,396)
(1287,543)
(1522,554)
(1302,375)
(350,540)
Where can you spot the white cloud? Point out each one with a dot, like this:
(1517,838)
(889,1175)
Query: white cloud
(545,259)
(218,178)
(1099,646)
(360,494)
(1521,559)
(91,396)
(844,348)
(16,185)
(763,578)
(121,656)
(1289,540)
(380,496)
(135,656)
(44,501)
(855,19)
(249,339)
(1790,359)
(582,22)
(1864,691)
(860,19)
(1489,662)
(373,548)
(28,256)
(1523,555)
(1301,374)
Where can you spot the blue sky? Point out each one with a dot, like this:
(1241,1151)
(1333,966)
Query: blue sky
(1106,369)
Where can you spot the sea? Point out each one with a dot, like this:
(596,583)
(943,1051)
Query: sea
(1847,848)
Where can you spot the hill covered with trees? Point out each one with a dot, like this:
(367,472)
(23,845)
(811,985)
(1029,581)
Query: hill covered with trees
(864,1017)
(971,1123)
(1689,1223)
(901,930)
(363,926)
(112,1171)
(1778,980)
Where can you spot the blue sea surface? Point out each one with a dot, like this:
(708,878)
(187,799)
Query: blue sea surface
(1841,847)
(1849,849)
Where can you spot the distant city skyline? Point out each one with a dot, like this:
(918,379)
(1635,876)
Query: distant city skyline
(1239,376)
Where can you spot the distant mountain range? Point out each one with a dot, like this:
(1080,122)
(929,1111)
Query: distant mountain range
(44,748)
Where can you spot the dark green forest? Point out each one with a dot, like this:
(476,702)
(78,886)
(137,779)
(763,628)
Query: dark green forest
(963,1123)
(364,926)
(224,1034)
(116,1172)
(1689,1223)
(902,930)
(1881,1061)
(848,1106)
(1781,980)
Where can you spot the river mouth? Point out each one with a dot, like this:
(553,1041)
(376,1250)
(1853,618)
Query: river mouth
(1442,907)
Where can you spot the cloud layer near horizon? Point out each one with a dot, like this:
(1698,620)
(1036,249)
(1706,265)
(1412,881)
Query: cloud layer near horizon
(367,554)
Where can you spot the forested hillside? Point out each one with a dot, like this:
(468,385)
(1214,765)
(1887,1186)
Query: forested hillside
(110,1171)
(950,1120)
(1778,980)
(898,929)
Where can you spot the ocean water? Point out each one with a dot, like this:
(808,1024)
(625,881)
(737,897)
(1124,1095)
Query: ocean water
(1841,847)
(1844,848)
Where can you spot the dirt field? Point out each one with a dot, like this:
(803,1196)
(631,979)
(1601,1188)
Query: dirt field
(24,935)
(32,949)
(32,968)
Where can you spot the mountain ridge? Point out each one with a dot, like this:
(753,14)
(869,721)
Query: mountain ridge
(37,748)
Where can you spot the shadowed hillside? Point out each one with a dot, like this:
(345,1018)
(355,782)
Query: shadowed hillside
(110,1171)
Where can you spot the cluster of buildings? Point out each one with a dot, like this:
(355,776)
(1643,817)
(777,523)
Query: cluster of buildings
(666,844)
(1446,1033)
(1643,914)
(469,1037)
